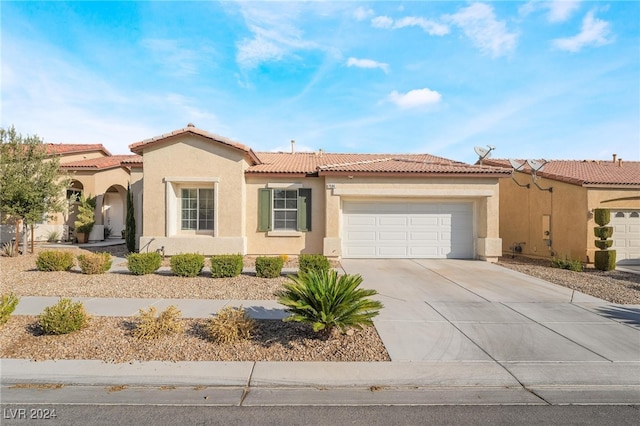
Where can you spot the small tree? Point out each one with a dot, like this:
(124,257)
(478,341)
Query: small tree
(130,233)
(605,260)
(31,183)
(85,220)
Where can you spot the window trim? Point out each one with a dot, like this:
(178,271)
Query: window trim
(266,210)
(173,187)
(197,230)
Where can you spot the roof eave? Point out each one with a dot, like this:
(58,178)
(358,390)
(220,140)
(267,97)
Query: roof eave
(415,174)
(139,147)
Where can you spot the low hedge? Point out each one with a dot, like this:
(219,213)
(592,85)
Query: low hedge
(94,263)
(54,260)
(144,263)
(313,262)
(269,267)
(187,264)
(226,265)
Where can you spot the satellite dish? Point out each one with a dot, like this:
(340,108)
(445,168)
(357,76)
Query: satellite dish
(516,165)
(484,153)
(536,166)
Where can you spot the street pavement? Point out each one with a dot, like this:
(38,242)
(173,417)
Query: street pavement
(457,332)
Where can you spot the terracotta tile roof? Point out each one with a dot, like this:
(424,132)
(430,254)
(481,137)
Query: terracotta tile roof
(139,147)
(74,148)
(103,163)
(584,172)
(332,163)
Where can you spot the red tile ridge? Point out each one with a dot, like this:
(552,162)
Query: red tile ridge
(138,147)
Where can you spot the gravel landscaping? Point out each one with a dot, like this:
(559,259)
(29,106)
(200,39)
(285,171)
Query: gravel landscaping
(110,339)
(613,286)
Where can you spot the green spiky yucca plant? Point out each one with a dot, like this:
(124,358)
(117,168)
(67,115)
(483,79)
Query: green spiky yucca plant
(328,301)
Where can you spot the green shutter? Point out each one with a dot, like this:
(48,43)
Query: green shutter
(304,209)
(264,210)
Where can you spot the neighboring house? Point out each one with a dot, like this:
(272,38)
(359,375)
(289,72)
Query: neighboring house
(559,221)
(199,192)
(94,172)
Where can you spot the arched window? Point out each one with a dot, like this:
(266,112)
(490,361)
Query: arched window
(634,214)
(619,214)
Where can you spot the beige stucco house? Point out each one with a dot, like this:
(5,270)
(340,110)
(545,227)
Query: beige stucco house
(552,215)
(200,192)
(94,171)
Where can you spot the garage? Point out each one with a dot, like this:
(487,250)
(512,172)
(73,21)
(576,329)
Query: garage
(626,235)
(407,230)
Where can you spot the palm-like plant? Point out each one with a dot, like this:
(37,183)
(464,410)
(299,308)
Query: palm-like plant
(326,300)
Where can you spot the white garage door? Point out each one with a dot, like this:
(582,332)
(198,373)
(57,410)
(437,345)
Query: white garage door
(407,230)
(626,235)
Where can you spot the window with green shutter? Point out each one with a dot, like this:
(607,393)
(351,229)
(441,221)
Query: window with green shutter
(284,209)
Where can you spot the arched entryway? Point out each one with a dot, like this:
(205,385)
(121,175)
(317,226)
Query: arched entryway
(114,210)
(74,192)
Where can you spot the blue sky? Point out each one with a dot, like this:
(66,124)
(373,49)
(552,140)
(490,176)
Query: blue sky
(554,80)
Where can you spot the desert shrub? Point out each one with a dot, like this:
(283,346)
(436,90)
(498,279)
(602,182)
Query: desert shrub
(8,304)
(63,317)
(602,216)
(9,249)
(148,326)
(326,300)
(229,325)
(53,236)
(605,260)
(54,260)
(226,265)
(603,244)
(94,263)
(603,232)
(187,264)
(269,267)
(143,263)
(313,262)
(570,264)
(285,258)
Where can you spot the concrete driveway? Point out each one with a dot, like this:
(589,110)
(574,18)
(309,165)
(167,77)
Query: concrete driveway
(457,310)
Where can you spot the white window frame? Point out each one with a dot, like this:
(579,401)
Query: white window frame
(198,209)
(173,203)
(284,209)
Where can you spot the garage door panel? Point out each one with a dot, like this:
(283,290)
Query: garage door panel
(361,236)
(356,220)
(424,252)
(385,251)
(400,237)
(423,221)
(361,251)
(426,230)
(424,237)
(626,235)
(392,221)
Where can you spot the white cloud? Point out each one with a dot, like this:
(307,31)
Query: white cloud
(252,52)
(176,59)
(274,34)
(362,13)
(594,32)
(429,27)
(557,10)
(367,63)
(382,22)
(415,98)
(479,23)
(560,11)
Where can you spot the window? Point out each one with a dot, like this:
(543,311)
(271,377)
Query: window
(619,214)
(284,209)
(197,209)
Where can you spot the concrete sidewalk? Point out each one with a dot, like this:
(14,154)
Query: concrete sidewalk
(458,332)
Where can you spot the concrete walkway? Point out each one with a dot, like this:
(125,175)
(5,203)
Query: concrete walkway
(458,332)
